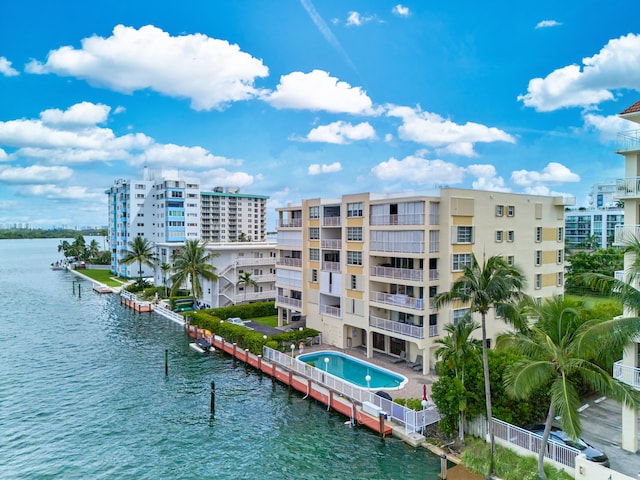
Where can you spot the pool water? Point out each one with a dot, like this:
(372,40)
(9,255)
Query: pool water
(354,371)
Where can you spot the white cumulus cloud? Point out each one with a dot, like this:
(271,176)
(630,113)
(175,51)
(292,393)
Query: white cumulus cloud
(208,71)
(84,113)
(548,24)
(608,126)
(34,174)
(554,173)
(317,169)
(400,10)
(6,69)
(54,192)
(418,170)
(487,178)
(341,133)
(171,155)
(590,84)
(318,90)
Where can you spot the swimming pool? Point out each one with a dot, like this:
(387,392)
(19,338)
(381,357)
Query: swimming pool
(354,371)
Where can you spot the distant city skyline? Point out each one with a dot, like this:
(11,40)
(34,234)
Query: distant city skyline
(302,99)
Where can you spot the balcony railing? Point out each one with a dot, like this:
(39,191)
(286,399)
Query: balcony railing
(398,219)
(624,233)
(330,310)
(254,261)
(289,262)
(627,187)
(333,244)
(628,141)
(433,331)
(331,222)
(398,300)
(290,223)
(413,331)
(292,302)
(434,274)
(397,247)
(627,374)
(331,266)
(397,273)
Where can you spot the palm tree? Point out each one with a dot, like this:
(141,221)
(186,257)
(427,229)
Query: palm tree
(191,263)
(94,249)
(141,251)
(561,350)
(483,287)
(64,247)
(456,349)
(165,267)
(245,280)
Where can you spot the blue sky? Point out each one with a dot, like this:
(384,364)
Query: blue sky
(307,98)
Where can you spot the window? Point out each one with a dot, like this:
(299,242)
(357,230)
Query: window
(560,257)
(511,210)
(354,234)
(510,260)
(499,235)
(314,254)
(560,234)
(559,278)
(314,275)
(314,212)
(538,234)
(511,235)
(354,258)
(354,209)
(459,314)
(538,281)
(461,260)
(499,210)
(314,233)
(538,258)
(463,234)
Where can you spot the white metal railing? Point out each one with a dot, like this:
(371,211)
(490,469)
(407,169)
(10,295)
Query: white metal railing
(413,420)
(522,438)
(397,273)
(398,219)
(626,374)
(330,310)
(629,140)
(434,247)
(331,266)
(290,223)
(331,221)
(165,312)
(624,233)
(434,274)
(433,330)
(398,300)
(334,244)
(397,247)
(413,331)
(243,261)
(628,187)
(289,262)
(241,297)
(292,302)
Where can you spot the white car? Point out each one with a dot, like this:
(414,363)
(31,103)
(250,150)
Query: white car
(235,321)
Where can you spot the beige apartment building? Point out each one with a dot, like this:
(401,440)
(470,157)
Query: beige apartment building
(628,190)
(363,269)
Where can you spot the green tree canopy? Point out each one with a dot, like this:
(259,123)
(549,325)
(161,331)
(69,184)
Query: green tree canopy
(141,251)
(190,264)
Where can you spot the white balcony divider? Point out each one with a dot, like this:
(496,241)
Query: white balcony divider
(413,331)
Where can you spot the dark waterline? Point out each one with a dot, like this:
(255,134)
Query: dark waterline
(83,395)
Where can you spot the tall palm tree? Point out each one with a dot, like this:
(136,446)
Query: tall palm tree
(94,249)
(191,263)
(166,268)
(245,280)
(141,251)
(561,350)
(483,287)
(455,350)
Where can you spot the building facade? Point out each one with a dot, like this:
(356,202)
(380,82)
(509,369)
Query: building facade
(592,228)
(229,216)
(628,190)
(364,269)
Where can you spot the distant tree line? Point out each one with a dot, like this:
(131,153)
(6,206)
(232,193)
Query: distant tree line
(17,233)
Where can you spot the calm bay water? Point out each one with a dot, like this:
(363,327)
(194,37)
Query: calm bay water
(83,395)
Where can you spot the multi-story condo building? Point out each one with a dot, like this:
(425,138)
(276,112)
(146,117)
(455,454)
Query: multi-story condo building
(585,227)
(603,195)
(171,210)
(364,269)
(628,190)
(232,261)
(229,216)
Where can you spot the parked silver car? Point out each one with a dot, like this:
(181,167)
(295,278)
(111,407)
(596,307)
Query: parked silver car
(559,436)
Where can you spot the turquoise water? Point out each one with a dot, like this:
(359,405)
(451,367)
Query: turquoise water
(353,370)
(83,395)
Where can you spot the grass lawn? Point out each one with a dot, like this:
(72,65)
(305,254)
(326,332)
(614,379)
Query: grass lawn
(591,301)
(103,276)
(270,321)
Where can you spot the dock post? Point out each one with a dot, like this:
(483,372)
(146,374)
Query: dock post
(79,290)
(381,418)
(213,397)
(246,356)
(166,362)
(260,363)
(443,466)
(73,283)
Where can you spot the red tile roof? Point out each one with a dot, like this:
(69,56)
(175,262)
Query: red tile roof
(633,108)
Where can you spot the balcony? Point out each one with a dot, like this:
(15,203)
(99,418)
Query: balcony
(624,233)
(330,310)
(331,244)
(397,273)
(291,302)
(399,328)
(330,266)
(628,141)
(627,374)
(331,222)
(627,187)
(398,300)
(433,331)
(434,274)
(398,219)
(397,247)
(290,223)
(242,261)
(289,262)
